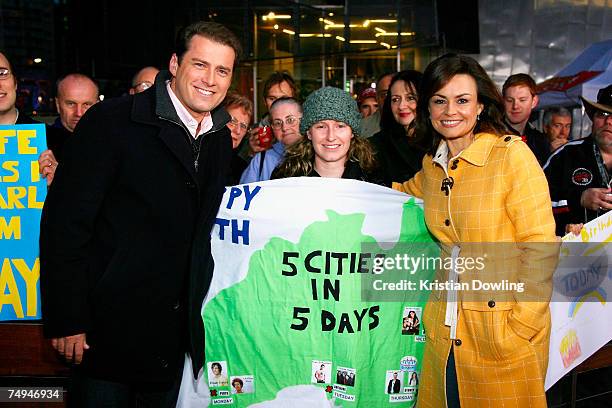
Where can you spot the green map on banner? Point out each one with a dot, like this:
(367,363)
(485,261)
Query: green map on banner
(298,319)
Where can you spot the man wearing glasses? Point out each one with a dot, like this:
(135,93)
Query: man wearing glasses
(285,115)
(10,115)
(580,172)
(143,80)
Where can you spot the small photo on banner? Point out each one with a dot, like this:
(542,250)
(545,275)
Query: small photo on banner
(321,372)
(411,321)
(413,379)
(22,194)
(394,381)
(242,384)
(217,374)
(345,376)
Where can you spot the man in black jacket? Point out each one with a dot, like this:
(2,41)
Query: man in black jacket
(125,234)
(520,98)
(579,172)
(394,385)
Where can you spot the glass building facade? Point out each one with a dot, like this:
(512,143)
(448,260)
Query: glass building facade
(343,44)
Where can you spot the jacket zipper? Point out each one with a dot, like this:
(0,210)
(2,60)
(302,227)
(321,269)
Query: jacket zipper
(196,144)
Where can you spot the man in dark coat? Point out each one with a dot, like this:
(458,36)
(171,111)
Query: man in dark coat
(125,234)
(520,98)
(579,173)
(394,385)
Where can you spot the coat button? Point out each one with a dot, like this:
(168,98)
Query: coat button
(189,184)
(163,363)
(447,222)
(507,139)
(491,304)
(457,342)
(455,163)
(176,306)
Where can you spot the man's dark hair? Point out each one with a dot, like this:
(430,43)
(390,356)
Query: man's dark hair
(381,76)
(10,66)
(276,78)
(520,80)
(213,31)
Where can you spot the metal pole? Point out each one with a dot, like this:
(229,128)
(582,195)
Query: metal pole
(322,70)
(255,91)
(344,74)
(399,36)
(347,41)
(322,53)
(255,63)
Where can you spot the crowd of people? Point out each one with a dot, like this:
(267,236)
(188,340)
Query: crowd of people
(136,181)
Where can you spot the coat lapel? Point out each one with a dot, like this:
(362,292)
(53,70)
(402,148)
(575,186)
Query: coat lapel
(154,107)
(178,146)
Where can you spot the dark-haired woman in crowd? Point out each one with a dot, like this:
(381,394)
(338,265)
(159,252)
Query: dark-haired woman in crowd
(398,151)
(480,186)
(331,147)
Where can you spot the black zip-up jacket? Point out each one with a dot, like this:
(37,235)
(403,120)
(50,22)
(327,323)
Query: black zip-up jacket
(536,141)
(570,170)
(125,236)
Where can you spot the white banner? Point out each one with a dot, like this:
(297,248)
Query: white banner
(580,309)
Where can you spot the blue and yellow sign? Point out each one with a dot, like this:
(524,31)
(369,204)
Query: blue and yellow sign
(22,194)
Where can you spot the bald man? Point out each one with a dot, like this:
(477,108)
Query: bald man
(75,94)
(143,80)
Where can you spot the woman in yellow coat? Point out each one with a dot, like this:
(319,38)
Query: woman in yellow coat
(484,349)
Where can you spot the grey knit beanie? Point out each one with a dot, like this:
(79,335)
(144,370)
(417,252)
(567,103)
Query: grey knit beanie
(330,103)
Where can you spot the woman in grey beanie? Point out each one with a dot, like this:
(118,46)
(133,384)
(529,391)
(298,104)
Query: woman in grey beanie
(330,122)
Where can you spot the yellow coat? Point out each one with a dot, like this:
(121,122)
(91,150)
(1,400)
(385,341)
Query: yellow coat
(500,195)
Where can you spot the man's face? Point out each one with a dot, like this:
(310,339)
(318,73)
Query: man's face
(518,103)
(382,88)
(203,76)
(559,128)
(8,87)
(602,128)
(368,107)
(239,124)
(74,97)
(395,376)
(278,91)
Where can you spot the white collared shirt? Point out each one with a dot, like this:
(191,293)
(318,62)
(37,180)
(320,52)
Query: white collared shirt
(190,123)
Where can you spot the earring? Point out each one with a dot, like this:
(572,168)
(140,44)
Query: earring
(477,117)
